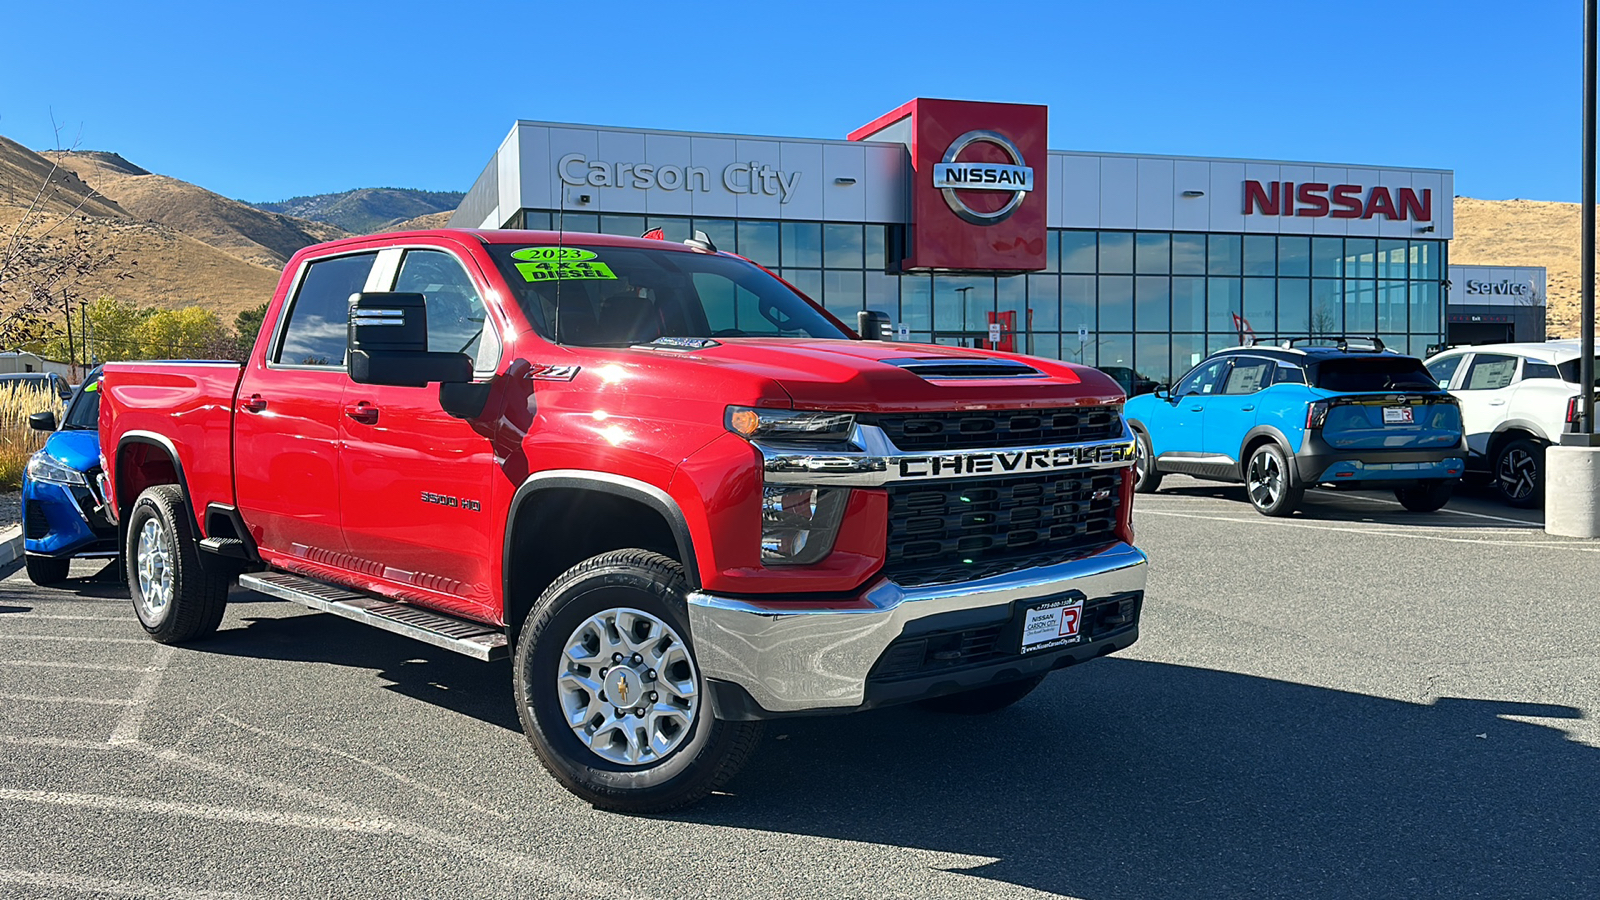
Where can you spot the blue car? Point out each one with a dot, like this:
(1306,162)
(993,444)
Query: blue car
(1308,412)
(63,513)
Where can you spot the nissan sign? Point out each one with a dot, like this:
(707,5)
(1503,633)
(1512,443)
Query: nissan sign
(951,175)
(1315,199)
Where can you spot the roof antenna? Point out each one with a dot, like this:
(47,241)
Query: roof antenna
(561,243)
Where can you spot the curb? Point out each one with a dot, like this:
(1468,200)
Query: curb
(10,544)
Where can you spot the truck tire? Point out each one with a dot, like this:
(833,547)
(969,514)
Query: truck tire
(1146,480)
(1518,476)
(1428,496)
(984,700)
(1267,482)
(174,596)
(46,570)
(610,694)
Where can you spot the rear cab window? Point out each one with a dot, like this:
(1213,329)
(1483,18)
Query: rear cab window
(1371,374)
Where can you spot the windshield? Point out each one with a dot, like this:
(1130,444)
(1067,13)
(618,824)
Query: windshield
(84,413)
(617,296)
(1569,371)
(1374,373)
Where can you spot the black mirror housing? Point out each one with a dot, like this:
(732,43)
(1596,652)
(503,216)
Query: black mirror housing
(42,421)
(389,344)
(873,325)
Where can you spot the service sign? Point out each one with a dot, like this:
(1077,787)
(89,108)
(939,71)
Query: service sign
(979,188)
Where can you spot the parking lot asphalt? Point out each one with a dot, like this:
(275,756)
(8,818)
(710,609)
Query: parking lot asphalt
(1354,702)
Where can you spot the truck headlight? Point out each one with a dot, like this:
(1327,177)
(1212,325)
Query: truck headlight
(798,524)
(790,424)
(44,467)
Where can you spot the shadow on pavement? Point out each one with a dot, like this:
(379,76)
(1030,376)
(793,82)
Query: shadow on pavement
(1322,505)
(1133,779)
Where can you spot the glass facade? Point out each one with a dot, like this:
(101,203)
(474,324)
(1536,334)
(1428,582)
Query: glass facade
(1150,304)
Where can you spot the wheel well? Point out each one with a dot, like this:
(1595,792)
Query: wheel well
(1250,448)
(140,466)
(1501,438)
(557,528)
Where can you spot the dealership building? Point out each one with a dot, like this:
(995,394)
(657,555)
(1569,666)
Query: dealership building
(956,220)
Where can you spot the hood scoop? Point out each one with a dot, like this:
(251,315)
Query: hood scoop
(945,367)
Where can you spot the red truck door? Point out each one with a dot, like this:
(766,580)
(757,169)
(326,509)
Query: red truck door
(286,426)
(415,482)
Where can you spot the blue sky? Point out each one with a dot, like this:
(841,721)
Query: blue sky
(267,100)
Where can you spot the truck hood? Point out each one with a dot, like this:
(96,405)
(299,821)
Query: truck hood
(873,376)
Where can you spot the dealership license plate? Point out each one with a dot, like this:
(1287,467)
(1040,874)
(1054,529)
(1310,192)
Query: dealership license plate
(1397,415)
(1054,623)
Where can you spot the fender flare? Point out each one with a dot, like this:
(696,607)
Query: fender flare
(604,482)
(1532,428)
(165,445)
(1279,438)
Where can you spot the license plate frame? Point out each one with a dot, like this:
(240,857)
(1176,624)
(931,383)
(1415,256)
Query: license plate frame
(1399,415)
(1050,623)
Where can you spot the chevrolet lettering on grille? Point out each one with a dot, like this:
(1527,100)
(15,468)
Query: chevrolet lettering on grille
(988,462)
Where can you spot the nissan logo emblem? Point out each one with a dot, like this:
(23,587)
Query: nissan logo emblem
(951,176)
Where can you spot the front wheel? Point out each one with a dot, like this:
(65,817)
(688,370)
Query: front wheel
(1426,497)
(610,693)
(45,570)
(1146,480)
(1519,473)
(1272,492)
(174,596)
(984,700)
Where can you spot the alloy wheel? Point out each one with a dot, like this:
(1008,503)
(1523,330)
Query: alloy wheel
(628,687)
(153,560)
(1518,472)
(1266,479)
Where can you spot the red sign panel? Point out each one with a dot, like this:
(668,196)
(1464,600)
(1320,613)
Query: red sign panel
(980,183)
(1314,199)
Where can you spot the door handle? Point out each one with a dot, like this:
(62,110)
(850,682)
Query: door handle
(1248,408)
(254,403)
(362,412)
(1497,403)
(1196,408)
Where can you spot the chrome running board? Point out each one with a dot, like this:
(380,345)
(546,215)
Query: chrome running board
(473,639)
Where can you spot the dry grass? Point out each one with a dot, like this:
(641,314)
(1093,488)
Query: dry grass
(1526,233)
(17,440)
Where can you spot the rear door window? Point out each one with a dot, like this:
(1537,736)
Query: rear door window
(1248,375)
(319,314)
(1489,372)
(1367,374)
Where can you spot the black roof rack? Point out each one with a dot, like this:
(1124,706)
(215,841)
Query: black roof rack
(1341,342)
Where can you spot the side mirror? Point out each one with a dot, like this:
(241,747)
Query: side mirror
(42,421)
(389,344)
(873,325)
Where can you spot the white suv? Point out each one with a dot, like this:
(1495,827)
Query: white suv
(1516,399)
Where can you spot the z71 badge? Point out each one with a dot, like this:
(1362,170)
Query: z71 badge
(447,500)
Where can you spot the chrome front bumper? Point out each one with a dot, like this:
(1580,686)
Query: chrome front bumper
(816,656)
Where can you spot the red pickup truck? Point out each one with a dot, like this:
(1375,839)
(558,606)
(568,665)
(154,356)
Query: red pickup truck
(681,497)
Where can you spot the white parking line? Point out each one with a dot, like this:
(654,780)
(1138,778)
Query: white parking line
(75,638)
(1383,531)
(144,806)
(56,882)
(54,743)
(32,616)
(1454,512)
(58,664)
(31,698)
(127,729)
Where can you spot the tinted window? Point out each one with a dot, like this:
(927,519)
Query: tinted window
(1202,380)
(1374,373)
(1489,372)
(84,413)
(1532,368)
(1248,376)
(318,319)
(1443,369)
(456,317)
(1569,371)
(616,296)
(1288,374)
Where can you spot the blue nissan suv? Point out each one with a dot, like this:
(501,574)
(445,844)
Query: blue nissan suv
(63,512)
(1307,412)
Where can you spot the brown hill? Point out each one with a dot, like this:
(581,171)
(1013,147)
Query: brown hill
(422,223)
(167,268)
(1526,233)
(255,236)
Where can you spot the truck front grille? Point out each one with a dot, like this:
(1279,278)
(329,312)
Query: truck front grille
(978,429)
(967,529)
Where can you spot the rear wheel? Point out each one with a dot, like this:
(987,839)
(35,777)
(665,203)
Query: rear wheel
(1519,473)
(1267,481)
(43,570)
(1425,497)
(610,693)
(1146,480)
(174,596)
(984,700)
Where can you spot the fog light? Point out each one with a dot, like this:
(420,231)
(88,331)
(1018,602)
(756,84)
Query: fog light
(799,524)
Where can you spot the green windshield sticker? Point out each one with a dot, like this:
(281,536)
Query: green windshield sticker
(552,263)
(93,386)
